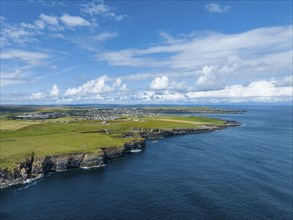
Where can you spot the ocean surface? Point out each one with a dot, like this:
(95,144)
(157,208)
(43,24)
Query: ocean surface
(238,173)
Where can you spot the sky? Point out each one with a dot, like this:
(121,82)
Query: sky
(146,52)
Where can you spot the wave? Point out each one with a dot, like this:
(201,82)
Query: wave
(86,168)
(135,151)
(32,181)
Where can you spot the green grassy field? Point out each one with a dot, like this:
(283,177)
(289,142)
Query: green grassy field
(64,135)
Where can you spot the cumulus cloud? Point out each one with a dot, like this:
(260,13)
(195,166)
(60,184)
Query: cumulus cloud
(257,90)
(96,86)
(99,89)
(52,20)
(164,83)
(74,21)
(160,83)
(54,91)
(209,79)
(216,8)
(38,96)
(53,94)
(117,85)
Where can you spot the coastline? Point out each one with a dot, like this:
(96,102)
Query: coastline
(34,167)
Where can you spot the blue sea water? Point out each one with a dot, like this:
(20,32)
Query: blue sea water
(238,173)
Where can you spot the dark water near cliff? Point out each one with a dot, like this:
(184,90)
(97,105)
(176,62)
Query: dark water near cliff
(236,173)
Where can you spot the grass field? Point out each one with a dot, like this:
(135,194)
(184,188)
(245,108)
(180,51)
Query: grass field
(14,124)
(55,137)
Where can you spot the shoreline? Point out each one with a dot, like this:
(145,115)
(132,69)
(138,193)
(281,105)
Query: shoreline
(36,167)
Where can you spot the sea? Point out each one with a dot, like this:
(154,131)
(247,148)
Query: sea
(240,172)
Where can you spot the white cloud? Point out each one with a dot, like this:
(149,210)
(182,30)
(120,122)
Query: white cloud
(160,83)
(98,7)
(258,91)
(28,56)
(52,20)
(128,58)
(164,83)
(74,21)
(286,81)
(159,97)
(16,34)
(226,69)
(23,33)
(246,56)
(255,89)
(173,96)
(209,79)
(105,36)
(38,96)
(216,8)
(47,3)
(2,19)
(93,43)
(13,77)
(97,86)
(215,47)
(37,24)
(207,69)
(168,38)
(99,89)
(95,7)
(54,91)
(140,76)
(152,75)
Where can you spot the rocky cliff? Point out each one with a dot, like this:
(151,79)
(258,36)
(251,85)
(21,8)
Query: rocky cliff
(34,166)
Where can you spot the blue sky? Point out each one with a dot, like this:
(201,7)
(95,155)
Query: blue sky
(68,52)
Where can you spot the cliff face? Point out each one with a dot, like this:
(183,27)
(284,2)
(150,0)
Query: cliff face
(34,166)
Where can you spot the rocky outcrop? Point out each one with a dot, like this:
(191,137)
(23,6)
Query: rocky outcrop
(92,160)
(34,166)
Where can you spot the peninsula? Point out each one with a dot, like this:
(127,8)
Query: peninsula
(37,139)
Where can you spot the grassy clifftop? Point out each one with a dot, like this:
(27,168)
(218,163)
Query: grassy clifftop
(68,135)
